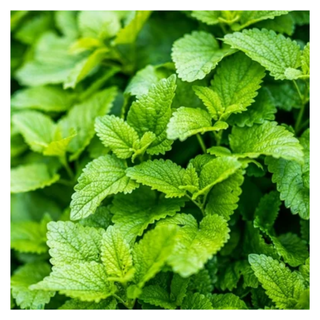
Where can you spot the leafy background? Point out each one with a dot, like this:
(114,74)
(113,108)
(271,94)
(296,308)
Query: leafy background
(152,210)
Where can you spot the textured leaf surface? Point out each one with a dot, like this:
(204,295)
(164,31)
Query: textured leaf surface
(196,301)
(186,122)
(157,296)
(86,281)
(216,171)
(151,112)
(31,177)
(178,289)
(197,245)
(134,212)
(267,211)
(74,304)
(196,54)
(116,134)
(283,286)
(116,253)
(152,252)
(101,177)
(268,139)
(276,53)
(288,177)
(261,110)
(44,98)
(224,196)
(237,87)
(161,175)
(228,301)
(81,119)
(25,276)
(293,250)
(72,243)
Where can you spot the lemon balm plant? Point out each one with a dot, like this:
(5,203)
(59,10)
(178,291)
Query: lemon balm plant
(160,160)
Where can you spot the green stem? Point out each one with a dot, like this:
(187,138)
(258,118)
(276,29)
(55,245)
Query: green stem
(67,167)
(199,205)
(121,301)
(218,137)
(299,119)
(223,28)
(201,142)
(298,90)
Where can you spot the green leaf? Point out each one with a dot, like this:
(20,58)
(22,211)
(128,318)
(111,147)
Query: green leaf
(33,28)
(129,33)
(100,219)
(32,176)
(288,177)
(210,99)
(178,289)
(144,79)
(196,301)
(116,134)
(236,88)
(66,22)
(30,236)
(36,128)
(186,122)
(86,281)
(134,212)
(250,17)
(196,54)
(84,67)
(293,250)
(151,112)
(267,211)
(51,64)
(152,252)
(209,17)
(81,119)
(73,243)
(74,304)
(283,286)
(305,59)
(45,98)
(116,255)
(267,139)
(227,301)
(261,110)
(224,196)
(161,175)
(276,53)
(98,24)
(25,276)
(197,245)
(201,282)
(101,177)
(281,24)
(215,171)
(42,134)
(157,296)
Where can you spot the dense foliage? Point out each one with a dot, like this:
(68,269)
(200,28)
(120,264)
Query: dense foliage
(160,160)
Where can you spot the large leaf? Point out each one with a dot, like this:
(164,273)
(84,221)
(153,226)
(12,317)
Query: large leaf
(101,177)
(278,54)
(196,54)
(152,111)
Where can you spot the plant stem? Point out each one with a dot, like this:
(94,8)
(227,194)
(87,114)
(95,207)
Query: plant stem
(65,182)
(67,167)
(200,206)
(201,142)
(120,300)
(298,90)
(299,119)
